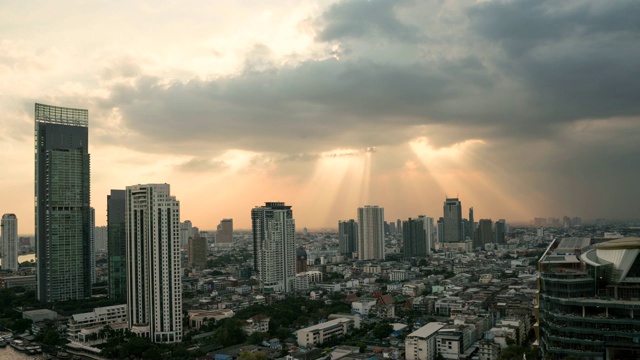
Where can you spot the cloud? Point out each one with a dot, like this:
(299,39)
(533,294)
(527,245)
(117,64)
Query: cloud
(201,165)
(367,19)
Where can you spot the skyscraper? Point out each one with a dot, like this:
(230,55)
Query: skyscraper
(452,220)
(116,244)
(224,234)
(348,237)
(62,203)
(500,231)
(9,242)
(484,234)
(430,230)
(414,237)
(92,244)
(198,252)
(274,246)
(371,233)
(154,289)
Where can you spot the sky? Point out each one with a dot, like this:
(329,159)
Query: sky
(519,108)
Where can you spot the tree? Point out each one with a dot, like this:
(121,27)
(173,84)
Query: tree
(382,330)
(256,338)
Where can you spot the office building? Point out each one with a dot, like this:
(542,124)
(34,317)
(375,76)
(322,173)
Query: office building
(371,233)
(320,333)
(187,231)
(62,223)
(348,237)
(301,260)
(116,244)
(484,234)
(154,288)
(198,252)
(9,242)
(101,237)
(92,244)
(414,237)
(588,299)
(452,218)
(471,225)
(500,231)
(274,247)
(224,234)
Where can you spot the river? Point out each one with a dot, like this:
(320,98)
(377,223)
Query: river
(23,258)
(9,353)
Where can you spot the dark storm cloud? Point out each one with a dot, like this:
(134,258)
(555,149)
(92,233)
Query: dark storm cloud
(310,106)
(576,59)
(534,67)
(367,19)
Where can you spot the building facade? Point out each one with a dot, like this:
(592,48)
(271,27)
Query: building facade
(414,237)
(274,247)
(9,242)
(198,253)
(62,208)
(154,288)
(371,233)
(452,220)
(317,334)
(116,244)
(224,233)
(421,344)
(588,299)
(348,237)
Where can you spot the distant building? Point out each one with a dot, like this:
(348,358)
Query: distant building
(484,234)
(301,260)
(500,231)
(116,244)
(81,326)
(92,244)
(258,323)
(187,231)
(415,238)
(348,237)
(101,236)
(62,200)
(452,220)
(274,246)
(224,234)
(154,300)
(198,252)
(371,233)
(9,241)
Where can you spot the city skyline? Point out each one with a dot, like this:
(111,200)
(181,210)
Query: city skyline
(331,105)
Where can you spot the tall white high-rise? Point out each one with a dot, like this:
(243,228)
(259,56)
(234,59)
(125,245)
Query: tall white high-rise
(430,229)
(9,242)
(371,233)
(274,246)
(154,295)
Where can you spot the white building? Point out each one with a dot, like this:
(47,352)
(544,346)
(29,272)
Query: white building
(274,246)
(320,333)
(421,344)
(9,242)
(154,299)
(81,326)
(371,233)
(258,323)
(363,306)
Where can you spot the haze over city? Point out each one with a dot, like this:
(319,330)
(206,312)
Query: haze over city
(329,106)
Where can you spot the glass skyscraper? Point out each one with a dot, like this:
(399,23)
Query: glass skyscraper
(62,199)
(116,244)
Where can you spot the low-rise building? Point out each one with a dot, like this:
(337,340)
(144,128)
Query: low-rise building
(421,344)
(320,333)
(258,323)
(86,326)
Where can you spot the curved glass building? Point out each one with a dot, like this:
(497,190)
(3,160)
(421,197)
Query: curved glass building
(588,302)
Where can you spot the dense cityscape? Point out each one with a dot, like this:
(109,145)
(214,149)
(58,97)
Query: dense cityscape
(320,179)
(416,288)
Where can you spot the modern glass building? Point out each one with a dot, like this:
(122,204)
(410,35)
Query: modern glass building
(116,244)
(588,302)
(348,236)
(9,241)
(62,197)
